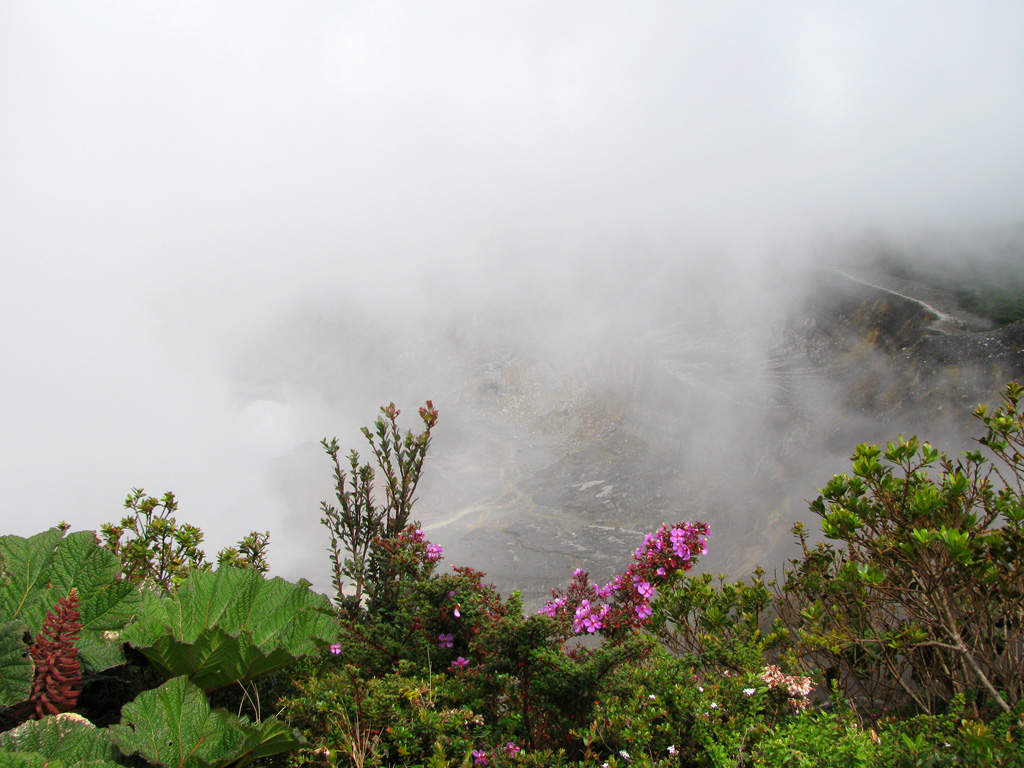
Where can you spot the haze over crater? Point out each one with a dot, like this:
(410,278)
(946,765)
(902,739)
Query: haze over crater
(229,230)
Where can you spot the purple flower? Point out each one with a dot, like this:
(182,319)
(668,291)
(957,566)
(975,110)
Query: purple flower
(511,749)
(456,613)
(335,648)
(643,610)
(645,589)
(445,640)
(479,757)
(459,663)
(434,552)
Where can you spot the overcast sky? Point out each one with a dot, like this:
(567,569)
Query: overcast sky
(177,176)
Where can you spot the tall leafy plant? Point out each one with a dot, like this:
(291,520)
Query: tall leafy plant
(362,531)
(152,545)
(922,601)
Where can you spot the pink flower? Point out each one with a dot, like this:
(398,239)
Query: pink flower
(335,648)
(643,610)
(459,663)
(456,613)
(445,640)
(434,552)
(511,749)
(479,757)
(606,591)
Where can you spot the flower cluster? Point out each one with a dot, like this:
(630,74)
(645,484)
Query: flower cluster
(415,537)
(57,681)
(796,688)
(625,602)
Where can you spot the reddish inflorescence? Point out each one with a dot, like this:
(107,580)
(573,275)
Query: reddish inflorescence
(55,655)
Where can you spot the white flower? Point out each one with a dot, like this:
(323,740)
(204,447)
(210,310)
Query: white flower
(749,691)
(671,749)
(624,753)
(714,705)
(652,697)
(699,688)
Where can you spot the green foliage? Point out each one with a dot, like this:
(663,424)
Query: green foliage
(724,626)
(67,737)
(819,740)
(35,574)
(155,545)
(152,545)
(401,717)
(248,626)
(912,604)
(250,552)
(174,726)
(359,528)
(230,625)
(923,602)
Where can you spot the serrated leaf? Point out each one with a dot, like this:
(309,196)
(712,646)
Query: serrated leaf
(26,565)
(16,669)
(37,572)
(215,659)
(174,726)
(30,760)
(230,625)
(272,737)
(66,737)
(104,602)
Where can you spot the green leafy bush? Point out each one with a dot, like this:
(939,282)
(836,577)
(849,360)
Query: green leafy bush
(912,625)
(923,601)
(151,544)
(66,613)
(362,530)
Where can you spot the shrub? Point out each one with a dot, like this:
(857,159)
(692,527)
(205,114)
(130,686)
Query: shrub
(923,601)
(363,532)
(153,545)
(65,615)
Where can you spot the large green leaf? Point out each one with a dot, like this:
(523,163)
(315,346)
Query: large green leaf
(174,726)
(16,668)
(230,625)
(68,738)
(35,760)
(37,572)
(25,577)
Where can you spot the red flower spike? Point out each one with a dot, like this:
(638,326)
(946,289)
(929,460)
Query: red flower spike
(55,655)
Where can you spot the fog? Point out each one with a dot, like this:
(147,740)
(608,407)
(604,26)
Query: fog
(230,229)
